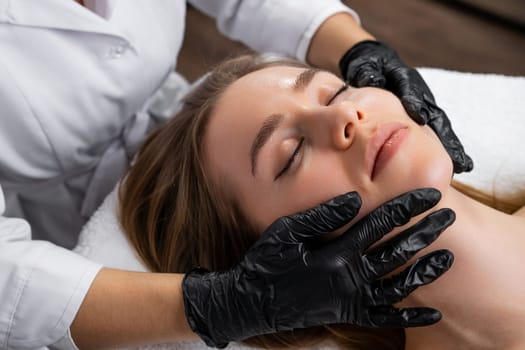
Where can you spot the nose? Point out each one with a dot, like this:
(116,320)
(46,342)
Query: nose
(344,119)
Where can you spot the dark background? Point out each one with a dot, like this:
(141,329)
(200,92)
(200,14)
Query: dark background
(480,36)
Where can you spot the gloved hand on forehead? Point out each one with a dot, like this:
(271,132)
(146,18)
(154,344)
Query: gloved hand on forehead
(290,279)
(371,63)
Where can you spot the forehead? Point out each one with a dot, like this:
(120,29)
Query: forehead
(253,97)
(238,115)
(277,77)
(248,101)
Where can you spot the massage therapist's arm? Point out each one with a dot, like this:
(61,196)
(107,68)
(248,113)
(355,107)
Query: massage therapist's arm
(124,308)
(333,38)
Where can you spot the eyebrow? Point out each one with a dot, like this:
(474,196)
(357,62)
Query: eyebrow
(269,126)
(304,79)
(272,122)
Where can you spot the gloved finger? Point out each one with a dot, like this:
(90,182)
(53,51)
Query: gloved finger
(425,270)
(440,123)
(397,251)
(326,217)
(387,316)
(368,74)
(408,85)
(415,109)
(382,220)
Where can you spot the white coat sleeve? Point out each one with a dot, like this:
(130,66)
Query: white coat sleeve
(41,287)
(284,26)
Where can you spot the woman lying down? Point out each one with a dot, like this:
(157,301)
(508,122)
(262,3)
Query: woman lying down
(259,139)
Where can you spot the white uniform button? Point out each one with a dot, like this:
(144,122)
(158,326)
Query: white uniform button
(118,51)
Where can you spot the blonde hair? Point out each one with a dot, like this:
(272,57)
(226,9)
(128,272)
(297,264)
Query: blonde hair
(508,205)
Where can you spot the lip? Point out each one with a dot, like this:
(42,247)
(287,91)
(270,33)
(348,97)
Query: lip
(383,145)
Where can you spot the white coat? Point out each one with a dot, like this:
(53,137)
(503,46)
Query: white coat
(75,90)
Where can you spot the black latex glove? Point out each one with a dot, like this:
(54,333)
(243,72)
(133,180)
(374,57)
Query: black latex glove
(285,281)
(371,63)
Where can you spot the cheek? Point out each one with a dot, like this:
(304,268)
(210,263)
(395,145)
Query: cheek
(377,103)
(319,179)
(437,167)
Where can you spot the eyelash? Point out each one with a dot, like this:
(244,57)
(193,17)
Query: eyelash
(341,89)
(291,160)
(300,144)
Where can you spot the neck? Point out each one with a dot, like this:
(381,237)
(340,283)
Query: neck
(482,296)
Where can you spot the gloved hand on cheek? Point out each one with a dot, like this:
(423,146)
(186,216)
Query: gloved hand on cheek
(372,63)
(286,282)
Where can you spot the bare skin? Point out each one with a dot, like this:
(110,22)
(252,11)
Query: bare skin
(125,308)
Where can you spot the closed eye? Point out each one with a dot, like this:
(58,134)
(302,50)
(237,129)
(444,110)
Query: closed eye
(340,90)
(290,160)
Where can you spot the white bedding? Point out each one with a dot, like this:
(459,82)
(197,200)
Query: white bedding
(487,113)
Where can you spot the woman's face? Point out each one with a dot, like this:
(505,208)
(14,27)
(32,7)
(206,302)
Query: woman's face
(285,139)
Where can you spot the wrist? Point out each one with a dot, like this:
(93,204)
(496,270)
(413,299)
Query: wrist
(197,292)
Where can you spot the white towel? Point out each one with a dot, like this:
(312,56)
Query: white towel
(487,113)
